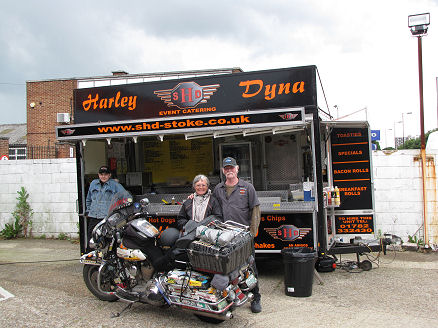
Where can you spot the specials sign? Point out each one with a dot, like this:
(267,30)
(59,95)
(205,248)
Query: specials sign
(351,167)
(291,87)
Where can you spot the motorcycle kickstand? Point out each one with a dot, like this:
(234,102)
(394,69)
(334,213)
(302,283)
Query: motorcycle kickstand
(118,314)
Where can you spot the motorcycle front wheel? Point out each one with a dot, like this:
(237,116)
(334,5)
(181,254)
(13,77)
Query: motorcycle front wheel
(90,273)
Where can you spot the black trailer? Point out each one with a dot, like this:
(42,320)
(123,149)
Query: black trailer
(156,136)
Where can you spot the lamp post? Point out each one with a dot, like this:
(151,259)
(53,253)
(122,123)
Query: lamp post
(403,124)
(419,25)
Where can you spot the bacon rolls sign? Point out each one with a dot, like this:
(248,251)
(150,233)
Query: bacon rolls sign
(271,89)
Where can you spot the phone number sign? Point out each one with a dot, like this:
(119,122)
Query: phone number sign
(354,224)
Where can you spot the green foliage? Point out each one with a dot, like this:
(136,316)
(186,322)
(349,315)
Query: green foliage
(23,212)
(415,240)
(376,143)
(22,217)
(62,236)
(12,230)
(415,143)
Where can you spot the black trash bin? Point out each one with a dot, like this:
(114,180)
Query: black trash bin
(299,264)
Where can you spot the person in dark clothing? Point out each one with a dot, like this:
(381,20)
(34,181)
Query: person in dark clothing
(201,205)
(239,203)
(99,199)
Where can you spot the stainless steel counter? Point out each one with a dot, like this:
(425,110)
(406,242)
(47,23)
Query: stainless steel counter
(265,207)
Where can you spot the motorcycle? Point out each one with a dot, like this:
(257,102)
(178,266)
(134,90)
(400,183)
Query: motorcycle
(133,262)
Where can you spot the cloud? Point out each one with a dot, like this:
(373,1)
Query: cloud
(363,50)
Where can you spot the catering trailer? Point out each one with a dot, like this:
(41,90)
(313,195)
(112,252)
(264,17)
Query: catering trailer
(156,136)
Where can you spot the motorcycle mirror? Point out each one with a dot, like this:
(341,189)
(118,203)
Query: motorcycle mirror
(144,202)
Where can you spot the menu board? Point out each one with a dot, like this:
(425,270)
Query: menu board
(354,224)
(351,167)
(176,160)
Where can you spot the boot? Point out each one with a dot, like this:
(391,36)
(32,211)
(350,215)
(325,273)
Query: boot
(256,306)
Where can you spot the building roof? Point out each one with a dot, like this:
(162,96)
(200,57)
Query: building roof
(120,74)
(17,133)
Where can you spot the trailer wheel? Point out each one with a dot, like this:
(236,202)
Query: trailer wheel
(365,265)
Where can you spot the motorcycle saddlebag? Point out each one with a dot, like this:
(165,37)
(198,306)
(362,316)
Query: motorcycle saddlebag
(206,257)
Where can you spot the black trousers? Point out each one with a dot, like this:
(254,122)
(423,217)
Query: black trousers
(256,289)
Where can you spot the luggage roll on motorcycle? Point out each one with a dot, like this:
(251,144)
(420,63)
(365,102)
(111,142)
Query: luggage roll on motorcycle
(132,262)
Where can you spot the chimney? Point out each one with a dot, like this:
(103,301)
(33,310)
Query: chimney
(118,73)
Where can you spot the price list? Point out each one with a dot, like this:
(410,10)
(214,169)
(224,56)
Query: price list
(351,167)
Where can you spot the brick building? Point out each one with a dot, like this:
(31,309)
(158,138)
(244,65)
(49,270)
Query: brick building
(13,141)
(45,100)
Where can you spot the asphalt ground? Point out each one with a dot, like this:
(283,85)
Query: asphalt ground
(401,291)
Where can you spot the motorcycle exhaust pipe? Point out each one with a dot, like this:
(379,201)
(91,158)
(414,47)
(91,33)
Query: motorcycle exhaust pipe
(226,316)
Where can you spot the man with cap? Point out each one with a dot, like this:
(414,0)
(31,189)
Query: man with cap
(240,204)
(99,198)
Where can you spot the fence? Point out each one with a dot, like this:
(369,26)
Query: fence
(41,152)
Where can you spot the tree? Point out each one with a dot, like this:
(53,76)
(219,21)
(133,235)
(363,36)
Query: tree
(415,143)
(376,143)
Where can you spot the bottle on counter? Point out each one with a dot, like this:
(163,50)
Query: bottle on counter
(329,197)
(338,196)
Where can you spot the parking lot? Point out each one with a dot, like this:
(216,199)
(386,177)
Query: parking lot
(400,291)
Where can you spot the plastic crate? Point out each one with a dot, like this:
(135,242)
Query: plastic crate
(223,260)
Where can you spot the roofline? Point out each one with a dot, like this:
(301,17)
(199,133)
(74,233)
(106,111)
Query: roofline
(138,75)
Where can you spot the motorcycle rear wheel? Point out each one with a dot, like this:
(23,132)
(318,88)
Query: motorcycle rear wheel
(90,273)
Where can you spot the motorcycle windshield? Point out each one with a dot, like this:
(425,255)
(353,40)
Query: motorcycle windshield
(120,200)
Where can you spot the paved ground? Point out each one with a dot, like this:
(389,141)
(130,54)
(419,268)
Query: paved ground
(401,291)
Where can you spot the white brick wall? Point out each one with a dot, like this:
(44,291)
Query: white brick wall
(398,192)
(52,188)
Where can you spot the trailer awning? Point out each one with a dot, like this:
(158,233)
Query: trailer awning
(243,132)
(244,123)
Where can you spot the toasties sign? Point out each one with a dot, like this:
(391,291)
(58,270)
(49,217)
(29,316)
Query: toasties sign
(292,87)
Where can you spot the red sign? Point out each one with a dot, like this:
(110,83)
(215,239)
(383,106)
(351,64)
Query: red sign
(4,158)
(187,94)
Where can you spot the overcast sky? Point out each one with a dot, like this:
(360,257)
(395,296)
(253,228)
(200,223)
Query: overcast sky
(364,50)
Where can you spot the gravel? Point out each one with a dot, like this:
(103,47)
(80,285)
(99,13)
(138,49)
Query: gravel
(400,291)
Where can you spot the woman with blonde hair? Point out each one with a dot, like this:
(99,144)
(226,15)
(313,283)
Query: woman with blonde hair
(201,205)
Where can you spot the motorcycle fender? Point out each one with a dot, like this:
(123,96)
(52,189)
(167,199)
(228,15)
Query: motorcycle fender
(91,258)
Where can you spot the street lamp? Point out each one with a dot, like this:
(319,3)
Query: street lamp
(419,25)
(403,124)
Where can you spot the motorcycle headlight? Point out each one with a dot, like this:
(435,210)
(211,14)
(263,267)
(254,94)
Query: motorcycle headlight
(116,220)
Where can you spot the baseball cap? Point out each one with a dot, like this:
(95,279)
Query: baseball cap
(229,161)
(104,169)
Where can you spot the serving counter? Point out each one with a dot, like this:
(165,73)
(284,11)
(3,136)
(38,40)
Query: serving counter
(282,223)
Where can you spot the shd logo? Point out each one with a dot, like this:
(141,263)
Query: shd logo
(288,232)
(187,94)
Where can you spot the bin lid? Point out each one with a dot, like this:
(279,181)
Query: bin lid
(299,252)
